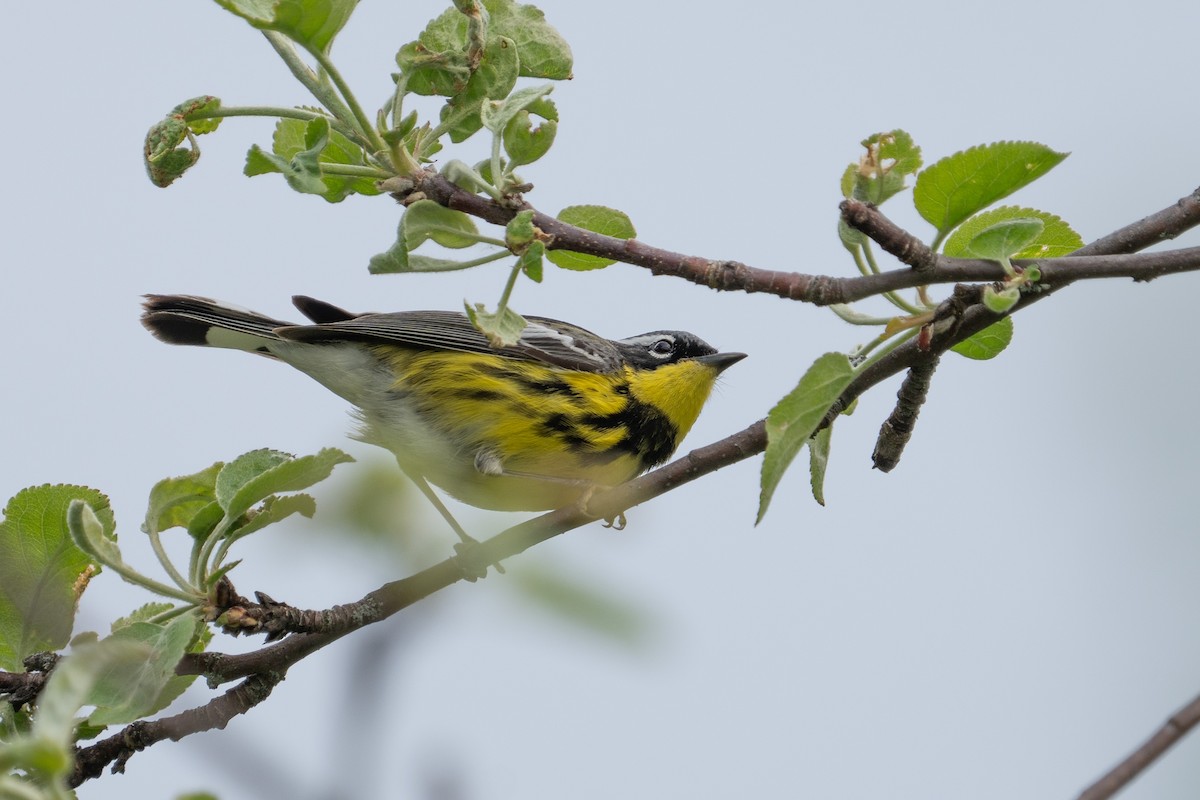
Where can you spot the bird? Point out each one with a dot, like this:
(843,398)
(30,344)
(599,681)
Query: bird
(529,426)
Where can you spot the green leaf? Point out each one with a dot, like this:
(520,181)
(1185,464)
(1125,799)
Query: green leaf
(394,259)
(544,53)
(48,748)
(436,63)
(220,572)
(880,173)
(313,24)
(530,261)
(142,613)
(496,114)
(451,228)
(90,534)
(425,219)
(849,180)
(296,138)
(520,231)
(188,109)
(999,241)
(276,509)
(175,501)
(342,151)
(141,688)
(1056,239)
(495,77)
(42,571)
(999,302)
(598,219)
(301,169)
(791,423)
(398,259)
(241,471)
(969,181)
(818,460)
(989,342)
(851,239)
(524,143)
(164,157)
(165,164)
(259,474)
(897,151)
(502,328)
(465,176)
(205,520)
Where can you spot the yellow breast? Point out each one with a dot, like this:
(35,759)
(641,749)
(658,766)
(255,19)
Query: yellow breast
(551,431)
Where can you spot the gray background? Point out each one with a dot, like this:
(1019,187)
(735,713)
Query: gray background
(1007,614)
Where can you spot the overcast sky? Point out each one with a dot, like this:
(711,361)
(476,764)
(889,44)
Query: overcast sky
(1005,615)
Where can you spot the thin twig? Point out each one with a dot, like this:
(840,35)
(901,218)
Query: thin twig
(1174,729)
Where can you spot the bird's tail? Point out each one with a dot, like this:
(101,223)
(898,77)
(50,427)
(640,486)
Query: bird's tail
(183,319)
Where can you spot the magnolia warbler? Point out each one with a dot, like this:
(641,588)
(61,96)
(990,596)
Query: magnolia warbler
(530,426)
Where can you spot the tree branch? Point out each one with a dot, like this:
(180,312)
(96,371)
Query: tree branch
(215,714)
(1108,259)
(20,688)
(1057,274)
(1174,729)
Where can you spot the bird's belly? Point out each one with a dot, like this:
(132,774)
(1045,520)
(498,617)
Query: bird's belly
(532,479)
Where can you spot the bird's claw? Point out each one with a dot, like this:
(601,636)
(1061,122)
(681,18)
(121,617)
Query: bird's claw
(470,561)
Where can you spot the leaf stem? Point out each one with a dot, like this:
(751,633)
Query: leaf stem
(222,551)
(508,287)
(847,313)
(489,258)
(138,579)
(872,268)
(170,614)
(891,340)
(458,115)
(378,145)
(277,111)
(219,533)
(303,73)
(161,554)
(194,562)
(400,153)
(354,170)
(498,178)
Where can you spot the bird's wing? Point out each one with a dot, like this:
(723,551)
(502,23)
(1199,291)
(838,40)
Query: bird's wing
(543,340)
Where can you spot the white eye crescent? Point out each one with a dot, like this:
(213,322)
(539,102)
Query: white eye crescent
(663,347)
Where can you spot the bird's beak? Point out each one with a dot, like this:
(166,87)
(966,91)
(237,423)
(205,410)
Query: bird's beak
(720,361)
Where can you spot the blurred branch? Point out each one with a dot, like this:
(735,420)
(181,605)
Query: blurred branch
(20,688)
(1106,259)
(1174,729)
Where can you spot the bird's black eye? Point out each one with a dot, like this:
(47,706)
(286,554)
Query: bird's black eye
(663,347)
